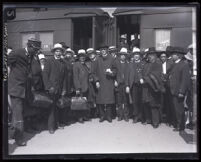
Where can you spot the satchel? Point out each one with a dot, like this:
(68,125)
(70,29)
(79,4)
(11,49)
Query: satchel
(63,102)
(79,103)
(41,99)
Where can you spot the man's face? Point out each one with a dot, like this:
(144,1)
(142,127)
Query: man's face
(104,52)
(175,57)
(113,54)
(151,57)
(92,56)
(68,55)
(136,57)
(123,57)
(33,50)
(58,53)
(82,58)
(163,57)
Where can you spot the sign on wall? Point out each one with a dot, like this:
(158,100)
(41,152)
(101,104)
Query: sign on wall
(162,39)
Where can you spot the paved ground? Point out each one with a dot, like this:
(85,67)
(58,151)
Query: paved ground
(116,137)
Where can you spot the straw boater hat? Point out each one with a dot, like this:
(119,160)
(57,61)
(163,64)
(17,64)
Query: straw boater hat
(123,37)
(34,43)
(136,51)
(69,50)
(112,49)
(81,52)
(57,46)
(90,51)
(123,51)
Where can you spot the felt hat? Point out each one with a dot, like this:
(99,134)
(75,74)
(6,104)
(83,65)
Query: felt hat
(34,43)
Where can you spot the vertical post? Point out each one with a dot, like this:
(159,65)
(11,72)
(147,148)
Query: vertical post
(115,31)
(94,32)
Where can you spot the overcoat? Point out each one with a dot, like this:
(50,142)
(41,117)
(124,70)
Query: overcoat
(105,94)
(153,86)
(81,77)
(19,62)
(69,77)
(54,75)
(179,78)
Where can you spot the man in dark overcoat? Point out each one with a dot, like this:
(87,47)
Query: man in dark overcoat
(120,67)
(179,80)
(105,84)
(19,62)
(152,88)
(167,114)
(54,82)
(81,82)
(134,84)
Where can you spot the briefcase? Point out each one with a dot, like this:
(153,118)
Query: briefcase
(63,102)
(41,99)
(79,103)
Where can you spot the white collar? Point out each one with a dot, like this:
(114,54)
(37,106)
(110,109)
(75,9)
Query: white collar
(177,61)
(27,53)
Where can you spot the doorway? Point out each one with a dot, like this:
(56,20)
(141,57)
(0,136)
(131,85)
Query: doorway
(128,25)
(82,33)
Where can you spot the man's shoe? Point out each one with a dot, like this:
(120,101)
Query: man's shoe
(51,131)
(21,143)
(135,120)
(101,119)
(176,129)
(119,119)
(81,120)
(61,126)
(109,120)
(126,119)
(148,121)
(155,126)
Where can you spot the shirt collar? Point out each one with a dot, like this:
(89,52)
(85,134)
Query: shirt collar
(27,53)
(56,58)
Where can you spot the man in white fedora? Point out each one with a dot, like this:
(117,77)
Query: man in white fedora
(54,81)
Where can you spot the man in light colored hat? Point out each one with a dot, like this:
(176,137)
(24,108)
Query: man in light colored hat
(54,81)
(112,51)
(81,82)
(179,81)
(121,67)
(104,78)
(19,61)
(134,83)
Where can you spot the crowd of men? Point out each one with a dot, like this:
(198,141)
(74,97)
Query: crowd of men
(146,86)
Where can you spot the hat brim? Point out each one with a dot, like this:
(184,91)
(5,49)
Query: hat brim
(53,50)
(188,58)
(123,53)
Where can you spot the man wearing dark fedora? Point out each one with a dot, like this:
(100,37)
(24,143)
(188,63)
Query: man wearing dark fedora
(20,63)
(152,88)
(179,80)
(54,82)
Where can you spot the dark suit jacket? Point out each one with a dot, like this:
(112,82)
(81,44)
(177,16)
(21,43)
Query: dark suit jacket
(54,75)
(134,73)
(179,78)
(19,63)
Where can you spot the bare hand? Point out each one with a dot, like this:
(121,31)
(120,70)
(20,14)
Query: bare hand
(127,90)
(97,85)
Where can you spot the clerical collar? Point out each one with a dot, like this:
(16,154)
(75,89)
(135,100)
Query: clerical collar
(178,61)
